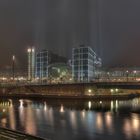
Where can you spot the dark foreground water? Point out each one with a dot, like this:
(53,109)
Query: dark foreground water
(73,120)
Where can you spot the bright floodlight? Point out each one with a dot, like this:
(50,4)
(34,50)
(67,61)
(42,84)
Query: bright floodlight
(89,90)
(29,50)
(135,71)
(13,57)
(33,50)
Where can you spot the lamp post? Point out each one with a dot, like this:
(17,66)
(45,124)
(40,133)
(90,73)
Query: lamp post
(13,67)
(31,63)
(108,74)
(127,74)
(135,74)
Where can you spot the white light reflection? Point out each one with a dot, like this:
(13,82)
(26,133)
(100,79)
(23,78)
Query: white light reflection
(112,106)
(21,103)
(30,123)
(127,128)
(4,122)
(99,122)
(108,120)
(62,109)
(73,119)
(83,114)
(12,116)
(21,113)
(89,104)
(45,106)
(117,105)
(135,124)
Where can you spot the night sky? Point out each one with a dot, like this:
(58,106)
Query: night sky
(111,27)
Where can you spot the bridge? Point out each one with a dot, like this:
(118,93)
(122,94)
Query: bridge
(72,88)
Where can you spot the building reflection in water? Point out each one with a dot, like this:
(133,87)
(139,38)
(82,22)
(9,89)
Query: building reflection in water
(30,122)
(12,118)
(109,122)
(99,122)
(22,113)
(3,122)
(132,126)
(89,104)
(73,119)
(62,109)
(136,124)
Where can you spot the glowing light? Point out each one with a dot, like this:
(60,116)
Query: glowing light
(111,90)
(89,90)
(100,102)
(33,50)
(117,90)
(135,71)
(3,110)
(62,109)
(29,50)
(13,57)
(89,105)
(21,103)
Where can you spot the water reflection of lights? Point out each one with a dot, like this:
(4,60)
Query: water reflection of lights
(132,126)
(127,128)
(89,104)
(21,113)
(12,116)
(101,102)
(135,123)
(135,102)
(30,123)
(99,122)
(4,122)
(4,110)
(73,119)
(62,109)
(83,114)
(45,106)
(117,105)
(114,105)
(21,103)
(108,120)
(11,102)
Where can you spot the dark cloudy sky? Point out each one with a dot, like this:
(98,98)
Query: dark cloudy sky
(111,27)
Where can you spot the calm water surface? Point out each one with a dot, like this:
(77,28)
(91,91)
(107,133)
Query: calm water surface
(73,120)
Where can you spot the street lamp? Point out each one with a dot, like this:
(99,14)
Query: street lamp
(108,74)
(13,66)
(127,74)
(135,73)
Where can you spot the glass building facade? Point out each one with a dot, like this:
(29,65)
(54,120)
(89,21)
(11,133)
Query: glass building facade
(83,64)
(42,65)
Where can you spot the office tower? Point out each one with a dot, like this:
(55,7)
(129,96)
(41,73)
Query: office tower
(42,62)
(84,61)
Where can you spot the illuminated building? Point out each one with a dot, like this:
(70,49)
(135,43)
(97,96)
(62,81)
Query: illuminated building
(84,62)
(42,64)
(31,63)
(45,60)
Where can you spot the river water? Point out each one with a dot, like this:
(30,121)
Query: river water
(73,119)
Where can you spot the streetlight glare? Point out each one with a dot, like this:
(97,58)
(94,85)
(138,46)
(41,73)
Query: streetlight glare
(29,50)
(13,57)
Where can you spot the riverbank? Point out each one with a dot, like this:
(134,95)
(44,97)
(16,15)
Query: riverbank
(78,97)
